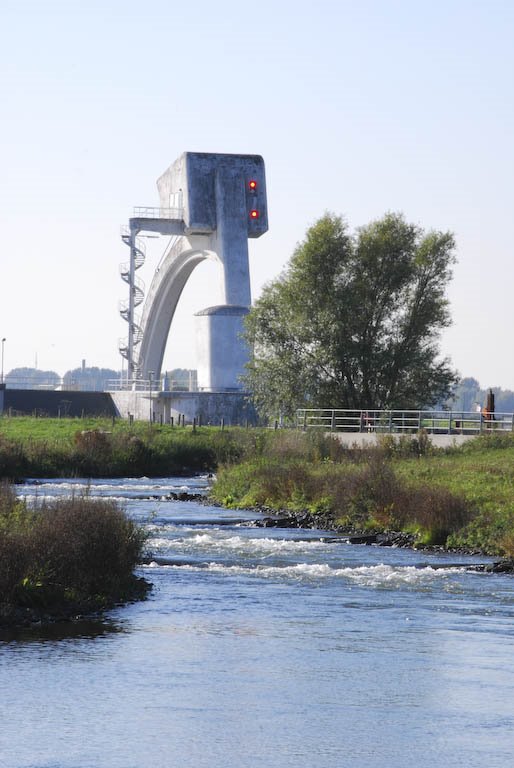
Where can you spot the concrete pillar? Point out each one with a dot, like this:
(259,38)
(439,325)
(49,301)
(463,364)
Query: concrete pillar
(220,349)
(232,235)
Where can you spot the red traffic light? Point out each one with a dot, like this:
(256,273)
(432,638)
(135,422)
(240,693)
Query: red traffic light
(252,185)
(254,214)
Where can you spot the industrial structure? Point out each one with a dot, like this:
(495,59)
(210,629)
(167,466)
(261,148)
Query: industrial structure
(210,204)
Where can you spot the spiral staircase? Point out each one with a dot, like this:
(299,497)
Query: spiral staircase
(136,296)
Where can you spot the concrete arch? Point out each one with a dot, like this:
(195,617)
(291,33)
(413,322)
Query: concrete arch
(162,299)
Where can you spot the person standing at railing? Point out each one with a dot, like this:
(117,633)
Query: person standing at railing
(368,421)
(488,409)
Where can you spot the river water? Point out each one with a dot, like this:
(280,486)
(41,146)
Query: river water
(270,648)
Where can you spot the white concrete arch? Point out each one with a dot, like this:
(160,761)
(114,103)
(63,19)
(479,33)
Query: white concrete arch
(163,296)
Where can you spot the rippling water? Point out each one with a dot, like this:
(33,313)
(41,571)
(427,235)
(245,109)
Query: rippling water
(270,648)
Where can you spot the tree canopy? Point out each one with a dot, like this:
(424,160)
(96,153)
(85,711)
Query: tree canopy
(28,378)
(91,379)
(468,394)
(354,320)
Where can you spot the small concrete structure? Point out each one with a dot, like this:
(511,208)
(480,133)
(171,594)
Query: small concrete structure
(230,408)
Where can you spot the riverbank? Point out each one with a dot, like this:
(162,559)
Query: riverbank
(384,538)
(458,498)
(45,447)
(454,497)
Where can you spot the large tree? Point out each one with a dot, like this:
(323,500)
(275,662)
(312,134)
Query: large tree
(354,320)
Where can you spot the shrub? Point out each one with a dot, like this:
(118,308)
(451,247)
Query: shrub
(491,530)
(488,440)
(12,458)
(312,446)
(372,492)
(506,544)
(438,512)
(7,501)
(86,545)
(15,553)
(407,446)
(70,551)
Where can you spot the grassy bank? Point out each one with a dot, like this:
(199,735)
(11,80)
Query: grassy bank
(31,447)
(65,557)
(481,472)
(455,497)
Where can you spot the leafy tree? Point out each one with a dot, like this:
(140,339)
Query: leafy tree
(182,379)
(91,379)
(29,378)
(504,400)
(468,393)
(354,320)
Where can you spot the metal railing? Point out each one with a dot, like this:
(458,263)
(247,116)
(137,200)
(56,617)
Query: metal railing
(145,385)
(147,212)
(31,383)
(403,422)
(133,385)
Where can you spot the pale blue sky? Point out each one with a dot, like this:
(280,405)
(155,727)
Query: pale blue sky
(356,107)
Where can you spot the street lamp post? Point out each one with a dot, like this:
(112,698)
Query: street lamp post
(3,344)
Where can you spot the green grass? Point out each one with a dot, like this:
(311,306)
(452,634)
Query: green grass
(28,427)
(460,496)
(457,497)
(31,447)
(482,473)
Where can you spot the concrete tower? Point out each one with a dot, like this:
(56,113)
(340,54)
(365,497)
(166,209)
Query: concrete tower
(215,202)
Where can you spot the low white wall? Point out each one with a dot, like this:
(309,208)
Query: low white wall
(362,439)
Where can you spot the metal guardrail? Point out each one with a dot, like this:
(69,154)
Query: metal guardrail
(146,212)
(133,385)
(403,422)
(145,385)
(21,382)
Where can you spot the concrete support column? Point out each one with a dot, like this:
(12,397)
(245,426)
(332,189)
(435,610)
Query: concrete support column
(221,352)
(232,235)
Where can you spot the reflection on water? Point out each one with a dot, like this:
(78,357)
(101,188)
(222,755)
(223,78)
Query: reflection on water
(265,648)
(80,629)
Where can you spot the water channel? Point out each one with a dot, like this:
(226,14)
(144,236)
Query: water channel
(266,647)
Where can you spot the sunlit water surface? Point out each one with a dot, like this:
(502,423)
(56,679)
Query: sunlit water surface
(262,647)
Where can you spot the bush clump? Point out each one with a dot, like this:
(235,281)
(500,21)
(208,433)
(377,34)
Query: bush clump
(66,556)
